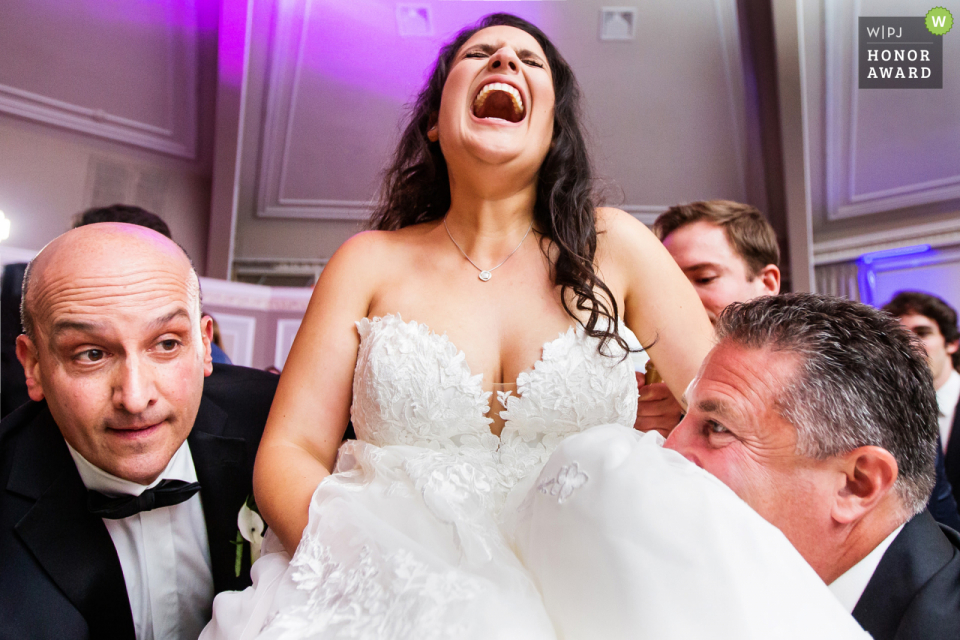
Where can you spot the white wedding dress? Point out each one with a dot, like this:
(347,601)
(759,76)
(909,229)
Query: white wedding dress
(417,533)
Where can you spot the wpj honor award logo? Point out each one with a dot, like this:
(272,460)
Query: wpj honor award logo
(903,53)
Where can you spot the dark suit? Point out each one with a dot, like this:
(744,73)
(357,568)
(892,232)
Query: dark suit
(952,457)
(60,576)
(915,591)
(942,505)
(13,382)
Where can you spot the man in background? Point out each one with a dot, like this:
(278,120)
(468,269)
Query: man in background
(935,323)
(729,253)
(126,213)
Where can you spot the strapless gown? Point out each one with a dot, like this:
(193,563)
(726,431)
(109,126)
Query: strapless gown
(420,530)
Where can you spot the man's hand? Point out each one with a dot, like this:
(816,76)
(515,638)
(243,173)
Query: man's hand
(657,410)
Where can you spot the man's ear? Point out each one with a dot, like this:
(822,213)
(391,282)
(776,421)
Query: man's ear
(953,346)
(869,474)
(206,333)
(770,279)
(28,357)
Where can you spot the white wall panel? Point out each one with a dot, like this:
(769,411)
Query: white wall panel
(886,149)
(238,334)
(286,332)
(665,115)
(124,71)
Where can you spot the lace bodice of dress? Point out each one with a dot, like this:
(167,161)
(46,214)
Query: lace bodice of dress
(414,387)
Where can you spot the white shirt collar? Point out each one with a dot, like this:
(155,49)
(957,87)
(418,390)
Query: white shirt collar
(947,397)
(949,393)
(850,586)
(180,467)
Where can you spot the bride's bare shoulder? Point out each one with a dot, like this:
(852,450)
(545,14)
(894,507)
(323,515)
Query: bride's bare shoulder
(371,256)
(621,238)
(373,244)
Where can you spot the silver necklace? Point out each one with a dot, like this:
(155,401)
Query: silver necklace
(485,274)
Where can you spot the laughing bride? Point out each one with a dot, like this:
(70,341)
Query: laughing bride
(485,318)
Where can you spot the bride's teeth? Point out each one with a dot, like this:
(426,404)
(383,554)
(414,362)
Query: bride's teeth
(499,86)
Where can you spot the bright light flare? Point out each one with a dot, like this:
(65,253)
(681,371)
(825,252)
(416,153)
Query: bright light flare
(4,227)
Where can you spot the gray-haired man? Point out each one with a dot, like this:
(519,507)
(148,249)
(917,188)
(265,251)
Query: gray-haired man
(820,413)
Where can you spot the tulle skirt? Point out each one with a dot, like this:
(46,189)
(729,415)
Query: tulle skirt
(616,538)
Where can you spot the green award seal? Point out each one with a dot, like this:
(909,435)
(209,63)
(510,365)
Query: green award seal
(938,21)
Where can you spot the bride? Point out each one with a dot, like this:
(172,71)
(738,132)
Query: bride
(490,269)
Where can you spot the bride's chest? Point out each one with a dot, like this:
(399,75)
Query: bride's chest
(414,387)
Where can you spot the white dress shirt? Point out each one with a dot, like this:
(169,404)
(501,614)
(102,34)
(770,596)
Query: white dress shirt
(164,553)
(850,586)
(947,397)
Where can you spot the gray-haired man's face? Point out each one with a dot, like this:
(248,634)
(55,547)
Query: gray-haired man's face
(734,430)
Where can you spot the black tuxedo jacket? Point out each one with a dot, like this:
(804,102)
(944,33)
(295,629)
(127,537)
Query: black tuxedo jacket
(952,458)
(915,591)
(60,576)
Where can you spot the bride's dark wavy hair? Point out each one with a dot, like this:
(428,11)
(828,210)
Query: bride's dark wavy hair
(416,186)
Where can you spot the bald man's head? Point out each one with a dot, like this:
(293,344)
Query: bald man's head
(95,242)
(116,345)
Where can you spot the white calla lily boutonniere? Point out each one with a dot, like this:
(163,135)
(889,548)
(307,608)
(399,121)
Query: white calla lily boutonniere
(251,528)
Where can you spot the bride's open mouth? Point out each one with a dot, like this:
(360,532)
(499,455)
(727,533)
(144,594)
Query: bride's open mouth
(499,100)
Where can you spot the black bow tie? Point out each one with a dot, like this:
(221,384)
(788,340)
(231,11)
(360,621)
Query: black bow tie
(165,494)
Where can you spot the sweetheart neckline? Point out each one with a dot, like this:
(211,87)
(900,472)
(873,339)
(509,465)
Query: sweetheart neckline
(486,395)
(484,406)
(573,329)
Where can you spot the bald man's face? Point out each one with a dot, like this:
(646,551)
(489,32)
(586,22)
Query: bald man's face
(121,351)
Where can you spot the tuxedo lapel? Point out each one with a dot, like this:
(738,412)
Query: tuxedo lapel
(71,545)
(916,555)
(952,456)
(224,486)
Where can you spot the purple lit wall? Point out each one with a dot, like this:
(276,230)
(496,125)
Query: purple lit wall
(356,43)
(935,271)
(356,70)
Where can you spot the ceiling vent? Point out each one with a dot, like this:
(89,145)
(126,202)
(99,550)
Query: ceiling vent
(618,23)
(414,20)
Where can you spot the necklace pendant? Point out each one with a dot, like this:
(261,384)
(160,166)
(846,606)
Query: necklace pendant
(485,275)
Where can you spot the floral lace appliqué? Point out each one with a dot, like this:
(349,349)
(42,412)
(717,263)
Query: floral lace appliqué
(424,441)
(414,387)
(568,479)
(372,596)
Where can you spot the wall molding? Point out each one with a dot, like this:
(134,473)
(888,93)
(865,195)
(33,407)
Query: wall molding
(283,88)
(645,213)
(937,234)
(243,330)
(319,210)
(842,99)
(729,30)
(286,333)
(94,122)
(913,195)
(240,295)
(170,138)
(283,85)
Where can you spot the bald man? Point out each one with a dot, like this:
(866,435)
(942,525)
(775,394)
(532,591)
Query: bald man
(122,480)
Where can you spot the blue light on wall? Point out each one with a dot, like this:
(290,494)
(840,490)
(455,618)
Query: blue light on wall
(873,256)
(869,263)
